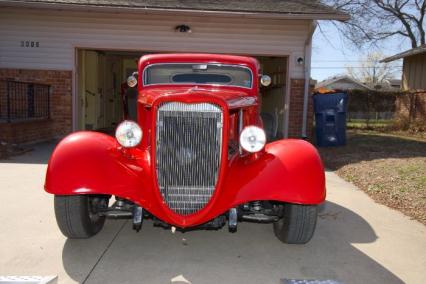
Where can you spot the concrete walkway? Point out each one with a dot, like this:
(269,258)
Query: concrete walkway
(357,241)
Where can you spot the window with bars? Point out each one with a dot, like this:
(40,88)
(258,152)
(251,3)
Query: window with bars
(21,101)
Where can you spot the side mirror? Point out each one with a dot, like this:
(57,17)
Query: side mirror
(132,80)
(265,80)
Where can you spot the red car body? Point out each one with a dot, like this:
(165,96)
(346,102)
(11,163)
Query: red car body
(288,170)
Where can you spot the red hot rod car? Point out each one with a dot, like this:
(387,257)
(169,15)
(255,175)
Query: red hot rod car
(195,157)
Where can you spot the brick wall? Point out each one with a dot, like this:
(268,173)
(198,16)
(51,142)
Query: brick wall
(411,109)
(296,110)
(60,122)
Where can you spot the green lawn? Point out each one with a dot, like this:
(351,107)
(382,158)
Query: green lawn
(371,124)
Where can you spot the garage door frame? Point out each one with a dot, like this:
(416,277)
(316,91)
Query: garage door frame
(75,111)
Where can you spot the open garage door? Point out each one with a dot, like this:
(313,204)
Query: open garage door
(100,76)
(101,73)
(273,97)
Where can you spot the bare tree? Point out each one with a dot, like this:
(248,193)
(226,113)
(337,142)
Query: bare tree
(376,20)
(373,73)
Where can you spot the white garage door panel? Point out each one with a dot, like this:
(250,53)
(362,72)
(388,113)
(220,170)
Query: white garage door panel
(59,32)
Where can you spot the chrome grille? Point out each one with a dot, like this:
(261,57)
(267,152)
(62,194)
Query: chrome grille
(188,154)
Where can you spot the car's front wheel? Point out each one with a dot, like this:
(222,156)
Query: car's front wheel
(297,225)
(78,215)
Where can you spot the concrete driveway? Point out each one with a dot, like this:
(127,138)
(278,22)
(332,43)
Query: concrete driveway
(357,241)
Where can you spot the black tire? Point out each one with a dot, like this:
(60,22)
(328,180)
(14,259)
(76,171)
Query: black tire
(298,224)
(76,217)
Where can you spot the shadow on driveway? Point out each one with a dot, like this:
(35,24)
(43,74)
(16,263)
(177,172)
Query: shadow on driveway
(252,255)
(37,154)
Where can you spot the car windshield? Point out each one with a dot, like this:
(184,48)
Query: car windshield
(190,73)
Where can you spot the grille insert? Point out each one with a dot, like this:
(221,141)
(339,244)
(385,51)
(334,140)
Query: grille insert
(188,154)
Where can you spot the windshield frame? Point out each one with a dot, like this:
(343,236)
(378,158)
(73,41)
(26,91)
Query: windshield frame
(203,84)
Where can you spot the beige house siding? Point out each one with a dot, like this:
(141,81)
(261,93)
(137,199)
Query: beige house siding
(53,36)
(60,32)
(414,72)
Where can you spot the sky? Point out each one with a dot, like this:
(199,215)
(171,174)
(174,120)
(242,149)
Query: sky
(331,55)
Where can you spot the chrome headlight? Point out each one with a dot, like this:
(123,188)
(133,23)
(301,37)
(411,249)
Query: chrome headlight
(128,134)
(132,81)
(252,139)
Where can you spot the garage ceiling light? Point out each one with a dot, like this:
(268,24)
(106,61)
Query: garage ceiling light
(183,29)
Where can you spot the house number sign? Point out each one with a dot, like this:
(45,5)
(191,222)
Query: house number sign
(28,43)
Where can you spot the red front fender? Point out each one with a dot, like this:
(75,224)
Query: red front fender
(289,171)
(93,163)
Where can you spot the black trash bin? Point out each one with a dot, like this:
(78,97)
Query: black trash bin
(330,119)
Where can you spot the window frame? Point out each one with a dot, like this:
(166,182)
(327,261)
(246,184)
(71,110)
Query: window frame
(198,63)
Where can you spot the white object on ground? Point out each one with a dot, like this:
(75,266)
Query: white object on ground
(28,279)
(180,279)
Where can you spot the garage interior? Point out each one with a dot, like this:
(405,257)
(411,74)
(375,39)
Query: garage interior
(101,74)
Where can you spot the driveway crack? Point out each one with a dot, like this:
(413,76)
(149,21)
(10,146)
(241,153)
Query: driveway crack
(103,253)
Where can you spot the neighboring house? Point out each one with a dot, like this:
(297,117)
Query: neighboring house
(357,100)
(411,108)
(395,84)
(346,83)
(388,85)
(414,68)
(62,62)
(342,82)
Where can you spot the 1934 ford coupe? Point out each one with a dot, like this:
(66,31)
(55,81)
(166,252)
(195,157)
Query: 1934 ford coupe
(196,157)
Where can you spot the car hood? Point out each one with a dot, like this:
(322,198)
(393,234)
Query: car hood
(234,98)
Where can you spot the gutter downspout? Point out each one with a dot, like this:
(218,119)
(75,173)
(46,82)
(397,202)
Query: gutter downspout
(308,53)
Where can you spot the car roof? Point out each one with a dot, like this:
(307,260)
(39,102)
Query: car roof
(198,58)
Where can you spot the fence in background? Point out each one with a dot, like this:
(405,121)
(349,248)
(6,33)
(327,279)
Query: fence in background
(371,109)
(374,115)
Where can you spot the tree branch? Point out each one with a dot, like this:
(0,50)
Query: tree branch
(396,11)
(375,20)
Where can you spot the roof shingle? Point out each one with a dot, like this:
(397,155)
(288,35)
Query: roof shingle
(410,52)
(310,8)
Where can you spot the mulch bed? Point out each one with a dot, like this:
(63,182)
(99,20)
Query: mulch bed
(391,168)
